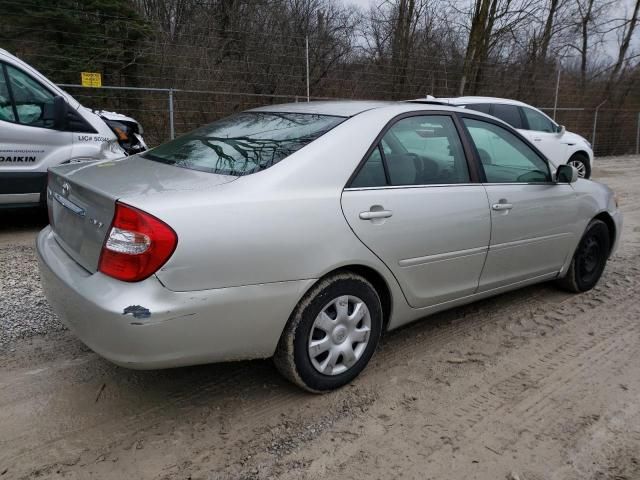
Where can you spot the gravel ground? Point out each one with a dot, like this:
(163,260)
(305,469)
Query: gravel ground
(535,384)
(24,312)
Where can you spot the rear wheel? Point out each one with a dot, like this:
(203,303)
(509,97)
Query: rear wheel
(589,260)
(331,334)
(581,163)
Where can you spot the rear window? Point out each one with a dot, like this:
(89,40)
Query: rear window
(245,143)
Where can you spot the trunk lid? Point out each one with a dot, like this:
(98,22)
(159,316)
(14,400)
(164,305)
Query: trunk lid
(81,198)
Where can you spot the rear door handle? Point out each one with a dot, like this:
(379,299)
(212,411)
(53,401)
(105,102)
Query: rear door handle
(502,206)
(373,214)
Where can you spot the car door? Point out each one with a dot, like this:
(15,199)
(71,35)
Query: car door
(544,135)
(533,219)
(28,139)
(416,205)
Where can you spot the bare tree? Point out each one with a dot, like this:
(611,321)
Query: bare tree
(491,22)
(628,30)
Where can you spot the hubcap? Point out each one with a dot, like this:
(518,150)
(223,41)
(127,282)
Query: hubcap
(339,335)
(579,166)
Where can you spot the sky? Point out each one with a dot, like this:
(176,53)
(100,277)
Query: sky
(361,3)
(611,45)
(366,3)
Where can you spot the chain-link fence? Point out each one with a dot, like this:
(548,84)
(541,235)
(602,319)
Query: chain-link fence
(166,113)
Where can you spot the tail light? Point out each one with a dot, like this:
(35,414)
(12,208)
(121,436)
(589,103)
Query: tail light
(137,245)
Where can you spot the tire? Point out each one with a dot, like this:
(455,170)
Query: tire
(582,164)
(589,259)
(339,297)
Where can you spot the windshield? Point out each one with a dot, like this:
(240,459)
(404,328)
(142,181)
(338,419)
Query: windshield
(244,143)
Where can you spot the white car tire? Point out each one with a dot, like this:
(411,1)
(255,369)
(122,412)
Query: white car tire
(582,164)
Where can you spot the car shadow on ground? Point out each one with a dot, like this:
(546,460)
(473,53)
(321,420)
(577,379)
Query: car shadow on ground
(14,220)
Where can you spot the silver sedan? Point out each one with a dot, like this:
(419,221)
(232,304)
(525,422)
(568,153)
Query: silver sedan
(304,231)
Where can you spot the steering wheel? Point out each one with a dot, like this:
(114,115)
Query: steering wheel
(426,169)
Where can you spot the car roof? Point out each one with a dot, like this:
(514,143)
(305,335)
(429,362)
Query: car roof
(340,108)
(473,99)
(350,108)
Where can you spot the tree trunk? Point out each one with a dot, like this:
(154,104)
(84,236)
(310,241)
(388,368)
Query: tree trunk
(478,24)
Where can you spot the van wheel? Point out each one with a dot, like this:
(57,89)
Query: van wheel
(581,163)
(589,260)
(332,333)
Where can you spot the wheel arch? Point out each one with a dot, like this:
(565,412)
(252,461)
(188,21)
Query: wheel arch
(581,152)
(374,277)
(611,226)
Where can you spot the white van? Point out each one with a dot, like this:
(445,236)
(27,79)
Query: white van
(42,126)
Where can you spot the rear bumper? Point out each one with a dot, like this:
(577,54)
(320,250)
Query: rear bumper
(22,188)
(144,325)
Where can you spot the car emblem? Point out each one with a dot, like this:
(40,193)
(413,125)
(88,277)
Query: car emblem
(65,189)
(96,223)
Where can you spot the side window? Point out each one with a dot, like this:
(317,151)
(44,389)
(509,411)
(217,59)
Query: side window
(504,157)
(507,113)
(479,107)
(372,172)
(6,107)
(424,150)
(537,121)
(31,99)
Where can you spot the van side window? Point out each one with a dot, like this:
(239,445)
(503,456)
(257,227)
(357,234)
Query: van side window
(6,107)
(31,99)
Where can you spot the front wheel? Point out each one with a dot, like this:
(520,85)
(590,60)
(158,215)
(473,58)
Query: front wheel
(331,334)
(581,164)
(589,260)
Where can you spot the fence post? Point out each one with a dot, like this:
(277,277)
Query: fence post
(555,102)
(595,124)
(306,41)
(638,135)
(172,132)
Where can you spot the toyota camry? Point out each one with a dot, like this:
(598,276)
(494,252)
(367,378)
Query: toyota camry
(305,231)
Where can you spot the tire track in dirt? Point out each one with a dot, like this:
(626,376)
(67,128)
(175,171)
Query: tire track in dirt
(241,406)
(563,364)
(523,398)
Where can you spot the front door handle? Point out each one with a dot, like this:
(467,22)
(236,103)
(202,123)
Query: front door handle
(502,206)
(373,214)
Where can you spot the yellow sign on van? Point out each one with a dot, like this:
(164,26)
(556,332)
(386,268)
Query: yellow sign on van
(91,79)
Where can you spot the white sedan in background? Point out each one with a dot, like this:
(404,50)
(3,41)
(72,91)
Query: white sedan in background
(551,139)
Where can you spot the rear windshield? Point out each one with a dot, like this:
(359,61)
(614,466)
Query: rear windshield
(244,143)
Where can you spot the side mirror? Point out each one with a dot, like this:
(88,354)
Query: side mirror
(566,174)
(561,130)
(60,111)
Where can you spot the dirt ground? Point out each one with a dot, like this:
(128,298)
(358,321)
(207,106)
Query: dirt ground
(536,384)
